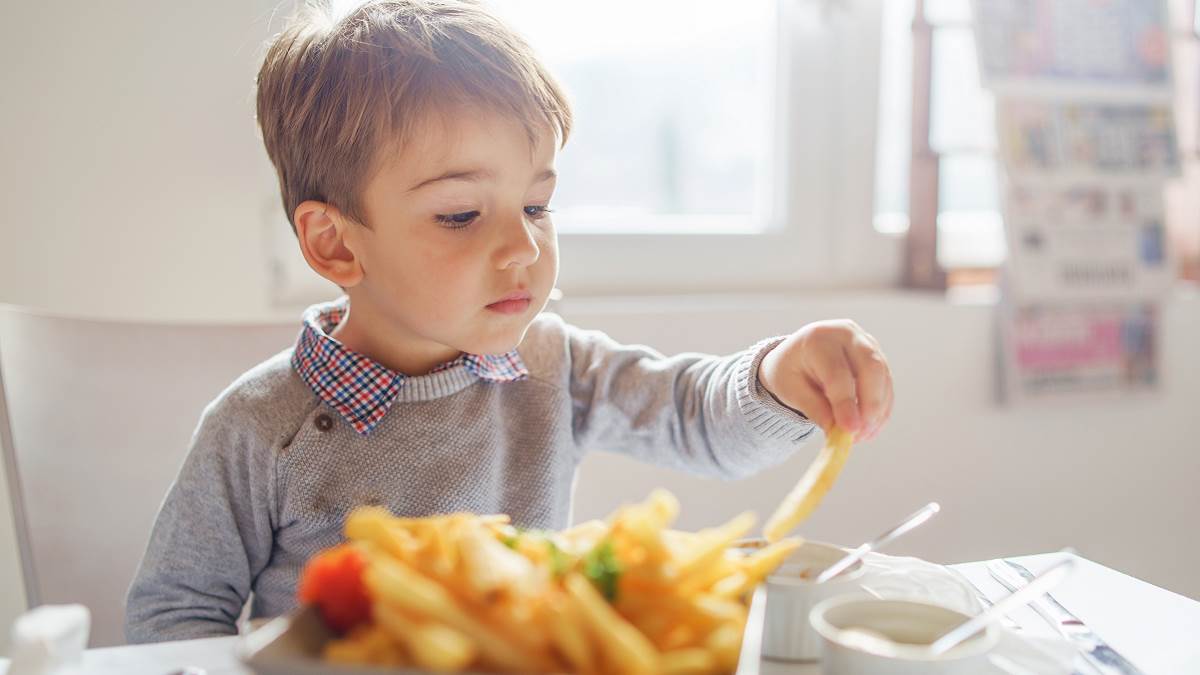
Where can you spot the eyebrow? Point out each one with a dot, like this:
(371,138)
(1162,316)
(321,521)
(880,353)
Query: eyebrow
(475,176)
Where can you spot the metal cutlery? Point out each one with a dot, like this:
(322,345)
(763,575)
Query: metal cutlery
(1097,653)
(908,524)
(1027,593)
(987,604)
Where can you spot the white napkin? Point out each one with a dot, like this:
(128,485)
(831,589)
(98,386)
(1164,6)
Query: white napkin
(49,640)
(900,578)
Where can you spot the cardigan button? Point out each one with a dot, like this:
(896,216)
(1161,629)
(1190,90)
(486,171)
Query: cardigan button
(323,422)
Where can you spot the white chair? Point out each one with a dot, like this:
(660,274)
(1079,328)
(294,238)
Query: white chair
(101,414)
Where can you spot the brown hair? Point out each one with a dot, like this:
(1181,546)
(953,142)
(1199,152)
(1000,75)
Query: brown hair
(334,93)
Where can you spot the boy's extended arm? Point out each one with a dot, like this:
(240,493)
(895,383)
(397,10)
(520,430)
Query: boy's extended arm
(212,537)
(705,414)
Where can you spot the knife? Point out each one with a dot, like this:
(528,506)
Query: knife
(1097,652)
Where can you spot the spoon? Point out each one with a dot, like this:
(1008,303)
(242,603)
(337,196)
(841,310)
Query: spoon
(1024,595)
(923,514)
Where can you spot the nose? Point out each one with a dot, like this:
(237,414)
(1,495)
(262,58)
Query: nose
(517,246)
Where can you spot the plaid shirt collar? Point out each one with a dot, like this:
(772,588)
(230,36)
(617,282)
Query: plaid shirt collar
(361,389)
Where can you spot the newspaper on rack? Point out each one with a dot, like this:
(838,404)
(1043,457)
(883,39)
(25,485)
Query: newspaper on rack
(1056,44)
(1100,240)
(1087,139)
(1079,351)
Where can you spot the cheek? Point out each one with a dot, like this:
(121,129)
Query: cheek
(547,241)
(444,279)
(423,274)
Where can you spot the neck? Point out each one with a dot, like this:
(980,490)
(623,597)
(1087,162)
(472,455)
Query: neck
(395,347)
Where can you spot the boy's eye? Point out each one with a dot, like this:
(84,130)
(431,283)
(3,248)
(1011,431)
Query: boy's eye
(456,221)
(537,212)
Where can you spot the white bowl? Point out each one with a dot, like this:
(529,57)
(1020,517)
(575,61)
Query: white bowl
(865,636)
(791,595)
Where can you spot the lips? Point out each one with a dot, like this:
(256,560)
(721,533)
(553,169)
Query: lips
(512,303)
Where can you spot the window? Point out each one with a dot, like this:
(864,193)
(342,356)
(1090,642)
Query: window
(675,102)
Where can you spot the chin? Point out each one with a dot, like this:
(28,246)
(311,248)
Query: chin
(500,341)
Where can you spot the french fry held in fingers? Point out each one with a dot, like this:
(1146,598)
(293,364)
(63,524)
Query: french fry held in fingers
(459,592)
(816,481)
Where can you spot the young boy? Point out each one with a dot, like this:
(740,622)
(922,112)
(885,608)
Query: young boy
(415,144)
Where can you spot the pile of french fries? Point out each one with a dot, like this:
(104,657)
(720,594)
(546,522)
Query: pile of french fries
(626,595)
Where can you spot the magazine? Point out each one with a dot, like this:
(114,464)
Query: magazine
(1087,137)
(1073,42)
(1060,352)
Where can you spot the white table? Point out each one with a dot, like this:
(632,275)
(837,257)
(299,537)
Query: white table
(1158,631)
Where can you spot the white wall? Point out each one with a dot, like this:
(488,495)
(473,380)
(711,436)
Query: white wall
(12,589)
(132,178)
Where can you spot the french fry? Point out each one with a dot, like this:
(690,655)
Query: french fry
(570,638)
(433,646)
(664,506)
(376,525)
(657,616)
(816,481)
(725,643)
(393,582)
(762,562)
(644,524)
(711,545)
(629,650)
(365,645)
(443,554)
(677,637)
(690,661)
(491,567)
(720,610)
(725,566)
(590,530)
(756,567)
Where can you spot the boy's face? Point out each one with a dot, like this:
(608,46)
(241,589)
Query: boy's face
(459,252)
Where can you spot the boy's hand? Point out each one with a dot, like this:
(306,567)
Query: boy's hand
(835,373)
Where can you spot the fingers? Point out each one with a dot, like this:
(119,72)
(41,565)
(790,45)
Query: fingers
(836,378)
(836,373)
(810,400)
(873,431)
(873,381)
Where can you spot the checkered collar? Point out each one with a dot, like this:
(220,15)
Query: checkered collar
(362,389)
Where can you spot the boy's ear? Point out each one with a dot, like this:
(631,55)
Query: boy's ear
(322,231)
